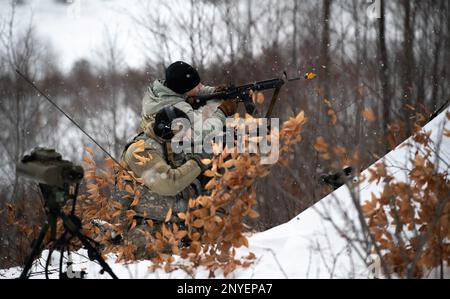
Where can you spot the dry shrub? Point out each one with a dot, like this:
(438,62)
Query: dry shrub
(411,220)
(214,236)
(408,224)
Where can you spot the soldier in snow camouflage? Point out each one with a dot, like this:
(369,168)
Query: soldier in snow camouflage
(171,179)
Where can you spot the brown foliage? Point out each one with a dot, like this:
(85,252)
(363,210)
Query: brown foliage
(411,220)
(214,235)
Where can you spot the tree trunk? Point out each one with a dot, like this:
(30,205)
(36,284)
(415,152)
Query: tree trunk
(358,95)
(325,56)
(408,63)
(294,34)
(383,73)
(437,54)
(248,40)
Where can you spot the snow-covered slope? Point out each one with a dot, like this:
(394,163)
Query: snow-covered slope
(306,247)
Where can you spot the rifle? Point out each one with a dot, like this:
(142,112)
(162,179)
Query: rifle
(242,94)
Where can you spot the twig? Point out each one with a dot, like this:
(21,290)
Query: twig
(278,262)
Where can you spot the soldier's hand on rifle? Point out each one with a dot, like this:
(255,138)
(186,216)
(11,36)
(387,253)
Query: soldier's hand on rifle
(196,104)
(229,107)
(220,88)
(198,158)
(191,101)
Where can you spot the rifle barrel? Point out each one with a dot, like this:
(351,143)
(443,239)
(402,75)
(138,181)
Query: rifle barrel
(236,92)
(295,79)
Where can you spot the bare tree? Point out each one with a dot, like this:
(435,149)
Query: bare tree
(408,59)
(324,61)
(384,72)
(26,124)
(438,43)
(20,52)
(295,25)
(113,65)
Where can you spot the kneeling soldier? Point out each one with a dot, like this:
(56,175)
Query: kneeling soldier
(171,179)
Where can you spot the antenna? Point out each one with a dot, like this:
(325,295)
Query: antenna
(69,118)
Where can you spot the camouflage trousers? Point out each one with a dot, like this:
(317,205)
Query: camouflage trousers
(142,236)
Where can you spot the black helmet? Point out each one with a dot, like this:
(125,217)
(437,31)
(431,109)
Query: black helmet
(163,121)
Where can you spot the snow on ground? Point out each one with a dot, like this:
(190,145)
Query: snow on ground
(306,247)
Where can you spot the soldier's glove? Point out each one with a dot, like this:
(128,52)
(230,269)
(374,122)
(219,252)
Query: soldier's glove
(194,102)
(198,158)
(229,107)
(220,88)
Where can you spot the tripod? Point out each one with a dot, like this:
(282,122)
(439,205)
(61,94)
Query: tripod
(55,198)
